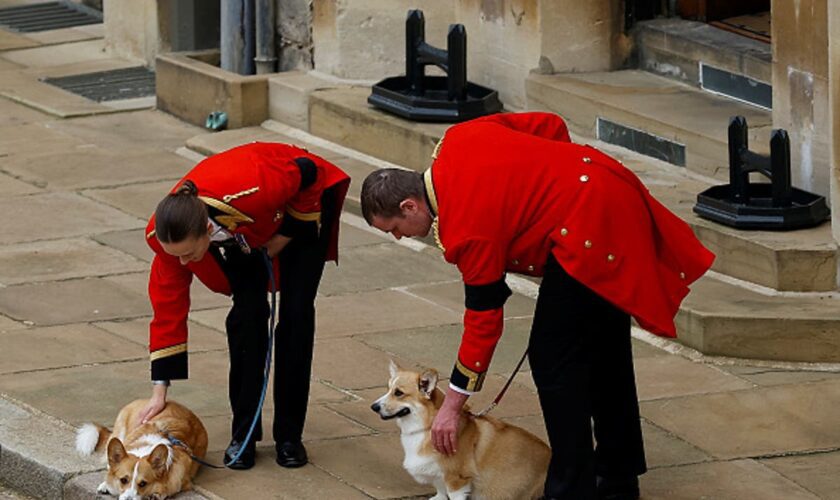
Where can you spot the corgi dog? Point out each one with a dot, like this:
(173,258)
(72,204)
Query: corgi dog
(494,461)
(147,461)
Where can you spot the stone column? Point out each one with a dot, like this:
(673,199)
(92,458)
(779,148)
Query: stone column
(800,88)
(834,111)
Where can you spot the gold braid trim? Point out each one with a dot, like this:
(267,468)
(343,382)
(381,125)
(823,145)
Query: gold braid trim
(168,351)
(230,197)
(233,218)
(430,192)
(436,151)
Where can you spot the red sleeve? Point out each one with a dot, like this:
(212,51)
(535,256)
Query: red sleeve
(169,293)
(481,263)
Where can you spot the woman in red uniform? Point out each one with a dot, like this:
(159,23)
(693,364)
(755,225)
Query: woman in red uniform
(511,193)
(215,225)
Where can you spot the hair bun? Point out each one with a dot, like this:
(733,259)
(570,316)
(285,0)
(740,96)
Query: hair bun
(188,188)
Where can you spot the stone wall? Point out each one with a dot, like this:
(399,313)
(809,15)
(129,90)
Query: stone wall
(294,34)
(800,88)
(132,29)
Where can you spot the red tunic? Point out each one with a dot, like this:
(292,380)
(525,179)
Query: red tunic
(510,188)
(254,187)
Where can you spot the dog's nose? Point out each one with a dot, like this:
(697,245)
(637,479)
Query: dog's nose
(375,407)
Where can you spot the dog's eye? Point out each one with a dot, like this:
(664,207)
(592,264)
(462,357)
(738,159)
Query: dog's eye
(142,484)
(398,393)
(124,480)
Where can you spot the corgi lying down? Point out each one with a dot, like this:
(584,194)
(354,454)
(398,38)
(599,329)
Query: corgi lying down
(143,461)
(495,460)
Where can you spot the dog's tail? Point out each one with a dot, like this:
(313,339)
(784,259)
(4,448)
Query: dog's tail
(90,438)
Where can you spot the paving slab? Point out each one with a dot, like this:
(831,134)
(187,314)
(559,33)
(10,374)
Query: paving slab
(734,480)
(655,380)
(17,139)
(663,449)
(372,464)
(141,130)
(12,113)
(268,480)
(436,347)
(358,409)
(403,267)
(83,487)
(136,331)
(9,186)
(350,364)
(63,346)
(93,166)
(380,310)
(13,41)
(61,54)
(767,376)
(131,241)
(58,215)
(752,423)
(350,237)
(817,472)
(62,259)
(71,301)
(65,35)
(210,144)
(8,324)
(139,200)
(9,494)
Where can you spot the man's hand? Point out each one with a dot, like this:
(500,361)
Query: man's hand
(276,244)
(447,422)
(155,405)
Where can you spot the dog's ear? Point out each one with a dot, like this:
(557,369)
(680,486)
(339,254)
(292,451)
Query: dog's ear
(392,368)
(116,452)
(158,458)
(428,382)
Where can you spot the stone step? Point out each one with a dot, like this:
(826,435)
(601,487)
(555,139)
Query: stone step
(718,318)
(678,49)
(689,127)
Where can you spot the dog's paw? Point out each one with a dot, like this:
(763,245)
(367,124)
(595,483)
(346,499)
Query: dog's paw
(439,496)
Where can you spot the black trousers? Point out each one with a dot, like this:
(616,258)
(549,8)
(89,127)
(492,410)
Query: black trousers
(301,268)
(582,364)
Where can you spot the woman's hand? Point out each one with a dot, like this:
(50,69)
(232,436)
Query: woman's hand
(447,422)
(155,405)
(276,244)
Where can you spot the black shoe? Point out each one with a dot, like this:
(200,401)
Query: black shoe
(291,455)
(619,488)
(245,460)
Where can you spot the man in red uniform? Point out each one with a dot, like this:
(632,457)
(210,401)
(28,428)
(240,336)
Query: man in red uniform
(511,193)
(214,225)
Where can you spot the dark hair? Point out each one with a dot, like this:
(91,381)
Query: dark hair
(181,215)
(384,190)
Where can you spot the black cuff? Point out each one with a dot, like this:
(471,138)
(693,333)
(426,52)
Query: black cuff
(464,378)
(308,172)
(173,367)
(295,228)
(486,297)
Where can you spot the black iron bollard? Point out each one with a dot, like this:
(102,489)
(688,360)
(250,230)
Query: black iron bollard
(775,206)
(432,98)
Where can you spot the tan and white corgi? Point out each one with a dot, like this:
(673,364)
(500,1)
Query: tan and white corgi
(146,462)
(495,460)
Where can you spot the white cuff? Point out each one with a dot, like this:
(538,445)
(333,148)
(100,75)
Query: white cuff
(458,389)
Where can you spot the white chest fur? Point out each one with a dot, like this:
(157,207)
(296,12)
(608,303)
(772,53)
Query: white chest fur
(423,468)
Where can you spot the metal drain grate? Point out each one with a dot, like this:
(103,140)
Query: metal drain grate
(47,16)
(111,85)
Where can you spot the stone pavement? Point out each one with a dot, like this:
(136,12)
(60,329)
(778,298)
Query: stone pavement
(74,316)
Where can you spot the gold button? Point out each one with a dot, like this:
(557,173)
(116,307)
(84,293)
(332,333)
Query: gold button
(564,232)
(610,257)
(587,244)
(477,364)
(584,178)
(515,262)
(530,268)
(587,159)
(682,275)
